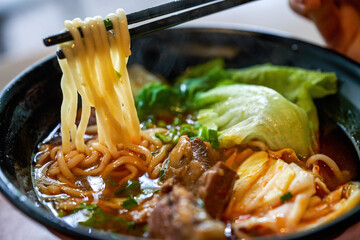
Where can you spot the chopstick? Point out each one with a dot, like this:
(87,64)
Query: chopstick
(132,18)
(204,8)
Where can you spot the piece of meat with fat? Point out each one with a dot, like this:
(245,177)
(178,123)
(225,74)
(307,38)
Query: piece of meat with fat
(215,187)
(189,160)
(178,216)
(196,166)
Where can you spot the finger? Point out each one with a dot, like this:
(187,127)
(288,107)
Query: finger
(328,21)
(337,24)
(354,50)
(305,7)
(350,23)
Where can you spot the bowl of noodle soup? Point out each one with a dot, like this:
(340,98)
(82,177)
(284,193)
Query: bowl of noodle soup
(30,109)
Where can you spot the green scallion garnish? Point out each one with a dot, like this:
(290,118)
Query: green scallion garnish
(163,137)
(286,197)
(213,138)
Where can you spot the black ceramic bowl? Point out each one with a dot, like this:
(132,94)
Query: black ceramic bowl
(30,104)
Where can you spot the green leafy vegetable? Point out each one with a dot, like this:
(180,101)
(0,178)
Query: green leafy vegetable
(199,79)
(244,112)
(286,197)
(201,70)
(157,98)
(130,203)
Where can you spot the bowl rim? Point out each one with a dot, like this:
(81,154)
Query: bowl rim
(25,205)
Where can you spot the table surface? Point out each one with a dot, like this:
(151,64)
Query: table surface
(263,15)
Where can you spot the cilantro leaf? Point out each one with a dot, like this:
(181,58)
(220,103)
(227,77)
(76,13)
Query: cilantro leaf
(286,197)
(130,203)
(132,188)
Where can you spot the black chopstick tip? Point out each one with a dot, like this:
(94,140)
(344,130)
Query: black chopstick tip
(60,54)
(47,41)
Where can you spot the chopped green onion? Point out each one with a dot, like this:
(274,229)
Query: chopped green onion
(163,137)
(129,203)
(83,205)
(203,133)
(175,139)
(61,213)
(113,183)
(118,74)
(58,198)
(197,125)
(107,22)
(213,138)
(286,197)
(148,124)
(176,121)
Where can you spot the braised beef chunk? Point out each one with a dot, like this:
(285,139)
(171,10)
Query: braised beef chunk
(178,215)
(189,160)
(215,187)
(202,153)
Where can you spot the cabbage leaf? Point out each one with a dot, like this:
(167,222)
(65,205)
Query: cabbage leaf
(300,86)
(243,112)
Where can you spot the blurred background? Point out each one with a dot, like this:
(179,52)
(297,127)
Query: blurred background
(23,24)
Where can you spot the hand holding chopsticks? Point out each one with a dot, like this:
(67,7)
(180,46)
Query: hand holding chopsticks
(195,9)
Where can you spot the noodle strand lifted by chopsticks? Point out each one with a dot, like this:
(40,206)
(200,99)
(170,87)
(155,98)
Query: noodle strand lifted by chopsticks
(95,68)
